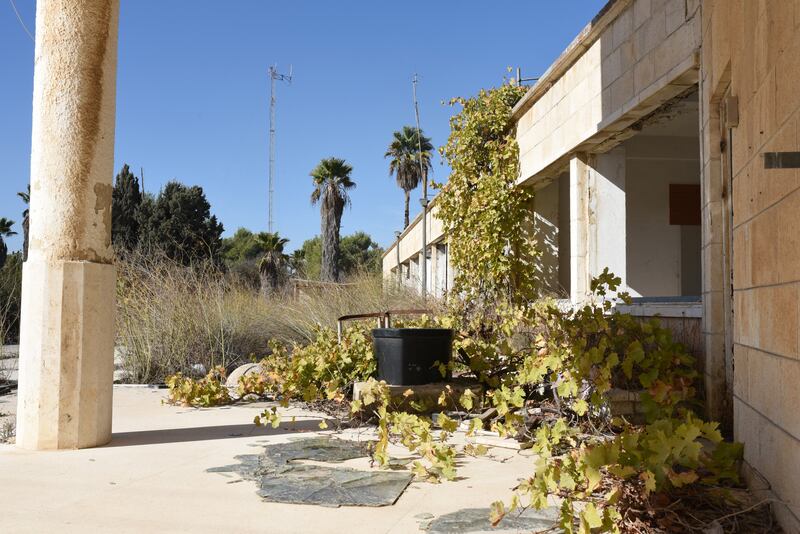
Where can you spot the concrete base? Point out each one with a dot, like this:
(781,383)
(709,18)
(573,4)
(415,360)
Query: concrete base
(66,365)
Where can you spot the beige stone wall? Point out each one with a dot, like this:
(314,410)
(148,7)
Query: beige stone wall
(752,49)
(631,59)
(411,239)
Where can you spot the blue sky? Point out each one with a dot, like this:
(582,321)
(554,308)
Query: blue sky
(193,93)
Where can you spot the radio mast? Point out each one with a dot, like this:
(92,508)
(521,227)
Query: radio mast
(274,76)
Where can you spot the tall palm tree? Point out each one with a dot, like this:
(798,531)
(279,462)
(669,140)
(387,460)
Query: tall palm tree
(405,165)
(331,182)
(5,231)
(272,265)
(26,220)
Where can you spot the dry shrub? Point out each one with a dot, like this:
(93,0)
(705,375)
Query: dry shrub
(171,317)
(324,303)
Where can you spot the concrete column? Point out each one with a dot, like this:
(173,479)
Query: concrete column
(578,227)
(607,215)
(67,332)
(434,280)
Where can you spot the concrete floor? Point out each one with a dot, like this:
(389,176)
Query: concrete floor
(152,478)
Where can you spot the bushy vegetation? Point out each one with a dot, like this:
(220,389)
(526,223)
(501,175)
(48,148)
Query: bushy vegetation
(358,255)
(10,298)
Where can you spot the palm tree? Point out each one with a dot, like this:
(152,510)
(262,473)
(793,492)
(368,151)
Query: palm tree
(5,231)
(405,165)
(331,183)
(26,220)
(297,263)
(272,265)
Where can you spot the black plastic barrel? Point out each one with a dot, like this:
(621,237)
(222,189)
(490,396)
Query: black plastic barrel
(410,356)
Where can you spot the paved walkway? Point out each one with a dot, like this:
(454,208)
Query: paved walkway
(152,478)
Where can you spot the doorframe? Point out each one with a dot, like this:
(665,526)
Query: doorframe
(717,256)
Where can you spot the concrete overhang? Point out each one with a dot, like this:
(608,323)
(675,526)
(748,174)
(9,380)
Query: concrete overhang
(588,35)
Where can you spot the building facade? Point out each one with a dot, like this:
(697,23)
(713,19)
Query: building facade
(656,146)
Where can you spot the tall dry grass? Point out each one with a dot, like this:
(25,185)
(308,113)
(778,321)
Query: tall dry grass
(171,317)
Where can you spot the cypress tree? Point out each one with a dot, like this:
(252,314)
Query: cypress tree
(126,201)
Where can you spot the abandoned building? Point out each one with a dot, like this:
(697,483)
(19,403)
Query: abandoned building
(657,146)
(662,144)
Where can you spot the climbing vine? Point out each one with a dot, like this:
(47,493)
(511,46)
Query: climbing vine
(490,238)
(481,208)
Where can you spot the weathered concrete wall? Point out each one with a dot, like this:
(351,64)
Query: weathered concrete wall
(636,56)
(751,50)
(547,234)
(662,259)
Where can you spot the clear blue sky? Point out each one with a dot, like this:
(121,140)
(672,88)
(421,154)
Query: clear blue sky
(192,93)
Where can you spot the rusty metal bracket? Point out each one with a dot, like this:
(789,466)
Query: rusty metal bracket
(384,318)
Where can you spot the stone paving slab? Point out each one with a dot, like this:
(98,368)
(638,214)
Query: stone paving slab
(280,478)
(476,521)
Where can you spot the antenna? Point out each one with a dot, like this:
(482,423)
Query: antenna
(424,199)
(274,76)
(521,80)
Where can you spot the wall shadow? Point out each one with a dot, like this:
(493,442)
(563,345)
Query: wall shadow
(207,433)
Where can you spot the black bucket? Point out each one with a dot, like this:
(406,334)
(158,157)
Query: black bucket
(410,356)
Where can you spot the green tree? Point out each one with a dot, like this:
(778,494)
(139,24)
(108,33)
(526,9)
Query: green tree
(359,253)
(126,202)
(179,223)
(26,220)
(311,253)
(404,151)
(272,265)
(241,246)
(5,231)
(331,184)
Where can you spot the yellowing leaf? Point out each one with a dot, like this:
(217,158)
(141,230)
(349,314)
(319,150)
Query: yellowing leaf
(591,516)
(580,406)
(497,512)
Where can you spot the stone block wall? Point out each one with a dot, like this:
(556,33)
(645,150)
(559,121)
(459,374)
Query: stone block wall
(632,57)
(751,51)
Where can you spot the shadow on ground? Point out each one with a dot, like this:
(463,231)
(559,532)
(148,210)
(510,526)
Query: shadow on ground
(206,433)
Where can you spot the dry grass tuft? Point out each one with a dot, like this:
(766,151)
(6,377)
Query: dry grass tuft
(171,317)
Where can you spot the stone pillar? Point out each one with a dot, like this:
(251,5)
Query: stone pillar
(578,227)
(67,331)
(607,215)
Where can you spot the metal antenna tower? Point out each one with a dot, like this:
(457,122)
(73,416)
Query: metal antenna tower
(274,76)
(423,200)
